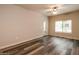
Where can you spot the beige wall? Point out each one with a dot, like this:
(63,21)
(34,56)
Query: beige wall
(18,25)
(74,16)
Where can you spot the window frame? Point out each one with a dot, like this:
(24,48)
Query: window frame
(64,22)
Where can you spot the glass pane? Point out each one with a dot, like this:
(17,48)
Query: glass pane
(67,26)
(44,26)
(58,26)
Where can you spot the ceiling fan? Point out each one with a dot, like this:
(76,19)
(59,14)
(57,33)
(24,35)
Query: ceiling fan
(54,9)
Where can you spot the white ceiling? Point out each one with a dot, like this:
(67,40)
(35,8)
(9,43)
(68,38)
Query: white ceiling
(43,8)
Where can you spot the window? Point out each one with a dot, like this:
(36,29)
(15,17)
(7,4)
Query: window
(44,26)
(67,26)
(63,26)
(58,26)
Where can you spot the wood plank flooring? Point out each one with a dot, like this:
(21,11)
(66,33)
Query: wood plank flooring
(63,46)
(46,45)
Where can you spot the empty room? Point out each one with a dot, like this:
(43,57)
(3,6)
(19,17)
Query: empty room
(39,29)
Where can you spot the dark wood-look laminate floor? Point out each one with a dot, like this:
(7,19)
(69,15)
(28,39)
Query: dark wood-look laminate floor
(46,45)
(63,46)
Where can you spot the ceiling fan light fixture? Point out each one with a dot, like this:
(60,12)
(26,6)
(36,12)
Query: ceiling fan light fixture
(54,12)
